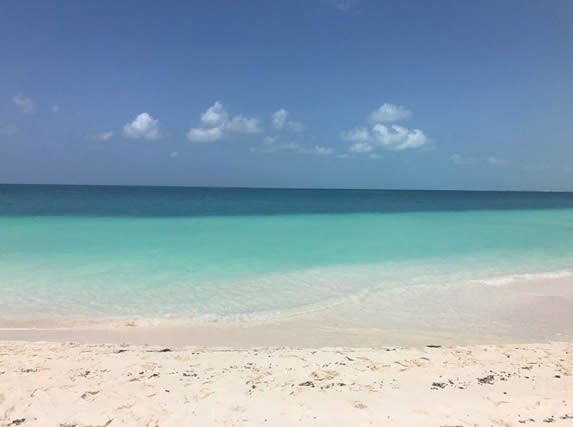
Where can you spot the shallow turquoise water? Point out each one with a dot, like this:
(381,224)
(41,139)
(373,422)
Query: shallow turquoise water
(267,264)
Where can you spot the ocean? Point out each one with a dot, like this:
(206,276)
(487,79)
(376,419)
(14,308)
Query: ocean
(234,254)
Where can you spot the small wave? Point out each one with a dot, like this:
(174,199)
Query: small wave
(512,278)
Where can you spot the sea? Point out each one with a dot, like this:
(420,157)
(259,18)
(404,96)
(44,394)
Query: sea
(244,254)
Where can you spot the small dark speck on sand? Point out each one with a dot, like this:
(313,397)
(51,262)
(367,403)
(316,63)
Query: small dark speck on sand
(486,380)
(438,385)
(17,421)
(433,346)
(307,384)
(549,420)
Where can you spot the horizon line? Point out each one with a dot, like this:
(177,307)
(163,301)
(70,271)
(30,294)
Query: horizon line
(230,187)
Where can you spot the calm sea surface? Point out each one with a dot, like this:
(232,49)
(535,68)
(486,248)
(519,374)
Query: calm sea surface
(214,253)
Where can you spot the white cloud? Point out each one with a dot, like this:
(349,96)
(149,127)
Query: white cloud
(357,134)
(205,134)
(272,144)
(217,124)
(390,113)
(215,115)
(240,124)
(398,137)
(388,137)
(361,147)
(279,118)
(280,121)
(55,108)
(495,161)
(144,126)
(393,137)
(25,104)
(102,136)
(7,129)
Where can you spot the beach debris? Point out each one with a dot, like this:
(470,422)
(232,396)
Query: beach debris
(486,380)
(307,384)
(88,394)
(436,385)
(434,346)
(550,419)
(163,350)
(17,421)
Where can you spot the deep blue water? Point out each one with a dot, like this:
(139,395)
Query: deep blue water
(54,200)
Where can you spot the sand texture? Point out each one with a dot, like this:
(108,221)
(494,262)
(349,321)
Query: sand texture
(66,384)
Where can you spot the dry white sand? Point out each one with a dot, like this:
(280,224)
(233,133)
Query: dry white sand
(59,384)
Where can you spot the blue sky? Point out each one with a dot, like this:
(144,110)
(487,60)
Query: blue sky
(314,93)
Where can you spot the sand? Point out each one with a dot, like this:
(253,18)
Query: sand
(70,384)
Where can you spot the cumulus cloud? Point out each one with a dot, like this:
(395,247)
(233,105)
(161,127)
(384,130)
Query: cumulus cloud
(7,129)
(392,137)
(279,118)
(240,124)
(205,134)
(390,113)
(144,126)
(280,121)
(495,161)
(24,104)
(357,134)
(215,115)
(361,147)
(102,136)
(216,124)
(381,136)
(273,144)
(397,137)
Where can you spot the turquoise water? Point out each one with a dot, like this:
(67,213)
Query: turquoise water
(96,252)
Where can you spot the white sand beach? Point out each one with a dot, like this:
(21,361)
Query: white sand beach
(68,384)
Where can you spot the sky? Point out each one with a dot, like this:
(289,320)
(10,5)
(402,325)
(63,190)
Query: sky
(441,94)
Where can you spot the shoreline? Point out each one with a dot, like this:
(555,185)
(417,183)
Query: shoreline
(111,385)
(531,311)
